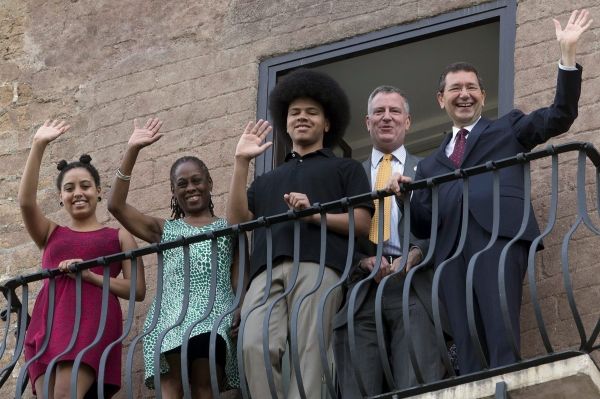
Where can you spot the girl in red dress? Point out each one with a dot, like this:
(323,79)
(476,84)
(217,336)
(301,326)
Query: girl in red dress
(82,238)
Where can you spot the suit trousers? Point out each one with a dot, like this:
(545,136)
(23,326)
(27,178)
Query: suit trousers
(279,328)
(367,360)
(490,325)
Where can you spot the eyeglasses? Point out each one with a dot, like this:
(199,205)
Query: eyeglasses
(468,88)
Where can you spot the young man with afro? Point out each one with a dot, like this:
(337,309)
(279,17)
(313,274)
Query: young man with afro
(311,110)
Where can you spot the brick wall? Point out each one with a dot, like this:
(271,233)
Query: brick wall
(535,70)
(100,64)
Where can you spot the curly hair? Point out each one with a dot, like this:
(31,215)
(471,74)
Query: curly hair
(319,87)
(176,211)
(84,163)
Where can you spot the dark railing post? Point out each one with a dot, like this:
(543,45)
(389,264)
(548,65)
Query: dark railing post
(354,358)
(320,320)
(22,378)
(186,336)
(501,391)
(502,264)
(240,353)
(101,326)
(437,276)
(533,250)
(158,345)
(267,317)
(126,329)
(77,323)
(294,351)
(153,321)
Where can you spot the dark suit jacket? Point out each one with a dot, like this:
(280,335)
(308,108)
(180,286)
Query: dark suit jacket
(365,248)
(513,133)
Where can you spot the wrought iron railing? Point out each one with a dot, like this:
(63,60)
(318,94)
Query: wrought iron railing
(16,290)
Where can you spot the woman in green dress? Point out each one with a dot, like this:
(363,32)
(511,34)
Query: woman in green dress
(193,214)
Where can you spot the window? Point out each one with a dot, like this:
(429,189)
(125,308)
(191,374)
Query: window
(410,57)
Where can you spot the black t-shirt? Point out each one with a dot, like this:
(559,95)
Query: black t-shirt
(323,177)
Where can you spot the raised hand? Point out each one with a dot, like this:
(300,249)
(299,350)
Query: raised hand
(568,37)
(143,136)
(49,131)
(252,142)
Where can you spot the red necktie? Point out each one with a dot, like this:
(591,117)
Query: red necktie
(459,147)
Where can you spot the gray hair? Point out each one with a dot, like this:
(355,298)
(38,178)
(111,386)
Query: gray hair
(387,89)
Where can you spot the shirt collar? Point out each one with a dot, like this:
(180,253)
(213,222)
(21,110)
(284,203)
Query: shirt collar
(324,152)
(399,154)
(469,128)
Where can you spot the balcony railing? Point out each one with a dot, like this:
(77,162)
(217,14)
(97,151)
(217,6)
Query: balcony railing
(16,291)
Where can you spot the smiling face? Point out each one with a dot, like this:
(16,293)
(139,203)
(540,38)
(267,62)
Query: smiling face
(191,186)
(388,121)
(462,98)
(306,124)
(79,193)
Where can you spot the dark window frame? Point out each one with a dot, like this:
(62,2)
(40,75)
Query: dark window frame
(503,11)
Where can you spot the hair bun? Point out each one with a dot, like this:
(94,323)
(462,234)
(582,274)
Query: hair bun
(85,158)
(61,164)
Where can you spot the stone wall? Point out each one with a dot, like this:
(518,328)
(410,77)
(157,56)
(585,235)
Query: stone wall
(535,70)
(100,64)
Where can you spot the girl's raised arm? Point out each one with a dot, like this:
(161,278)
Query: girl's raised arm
(37,224)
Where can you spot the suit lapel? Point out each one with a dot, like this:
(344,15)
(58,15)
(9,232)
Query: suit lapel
(367,166)
(410,166)
(474,136)
(440,154)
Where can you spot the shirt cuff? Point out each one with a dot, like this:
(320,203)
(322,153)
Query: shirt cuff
(566,68)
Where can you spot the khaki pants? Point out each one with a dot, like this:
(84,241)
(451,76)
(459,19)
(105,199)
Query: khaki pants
(279,328)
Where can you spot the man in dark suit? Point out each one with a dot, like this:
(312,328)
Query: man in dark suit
(476,140)
(387,121)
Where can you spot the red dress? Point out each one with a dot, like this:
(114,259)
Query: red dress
(65,243)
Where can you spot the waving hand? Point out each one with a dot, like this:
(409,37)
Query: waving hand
(144,136)
(50,131)
(568,37)
(252,142)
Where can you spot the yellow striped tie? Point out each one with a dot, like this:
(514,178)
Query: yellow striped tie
(384,172)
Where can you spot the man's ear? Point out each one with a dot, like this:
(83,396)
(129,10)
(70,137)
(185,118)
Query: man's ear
(327,125)
(440,99)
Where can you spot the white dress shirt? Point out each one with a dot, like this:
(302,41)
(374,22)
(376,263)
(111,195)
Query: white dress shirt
(452,142)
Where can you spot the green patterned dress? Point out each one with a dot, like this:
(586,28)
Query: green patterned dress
(172,299)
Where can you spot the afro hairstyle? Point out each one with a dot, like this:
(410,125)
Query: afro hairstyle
(319,87)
